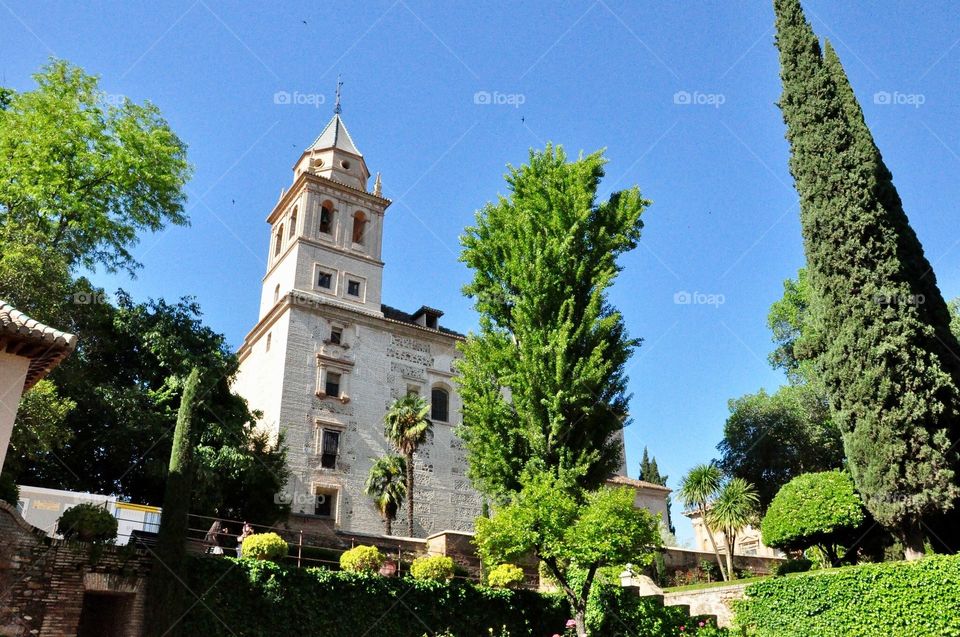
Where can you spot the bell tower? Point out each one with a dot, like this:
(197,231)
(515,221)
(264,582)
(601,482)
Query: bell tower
(327,228)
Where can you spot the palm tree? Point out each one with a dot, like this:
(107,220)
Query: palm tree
(734,508)
(697,489)
(406,427)
(385,484)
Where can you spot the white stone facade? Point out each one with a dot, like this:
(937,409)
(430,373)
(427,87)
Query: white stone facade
(321,322)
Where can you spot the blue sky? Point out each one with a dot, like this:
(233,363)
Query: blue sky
(682,96)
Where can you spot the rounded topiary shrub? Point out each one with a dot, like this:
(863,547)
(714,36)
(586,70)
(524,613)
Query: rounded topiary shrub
(437,567)
(505,576)
(87,523)
(814,509)
(362,559)
(265,546)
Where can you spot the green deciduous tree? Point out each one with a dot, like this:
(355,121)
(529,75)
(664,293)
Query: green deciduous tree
(407,427)
(767,440)
(572,533)
(882,328)
(387,488)
(80,177)
(732,510)
(814,509)
(543,381)
(697,490)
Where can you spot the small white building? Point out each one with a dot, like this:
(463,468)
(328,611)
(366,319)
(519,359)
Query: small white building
(42,507)
(749,542)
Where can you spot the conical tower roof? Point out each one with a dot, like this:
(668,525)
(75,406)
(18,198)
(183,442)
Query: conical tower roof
(335,135)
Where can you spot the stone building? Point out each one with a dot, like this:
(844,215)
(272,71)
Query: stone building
(749,542)
(327,357)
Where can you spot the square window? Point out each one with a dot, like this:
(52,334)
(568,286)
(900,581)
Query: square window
(330,446)
(325,280)
(324,505)
(353,288)
(332,386)
(336,335)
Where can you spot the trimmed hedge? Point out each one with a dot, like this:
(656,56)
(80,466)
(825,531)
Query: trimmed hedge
(438,568)
(505,576)
(258,598)
(88,523)
(265,546)
(614,610)
(894,598)
(362,559)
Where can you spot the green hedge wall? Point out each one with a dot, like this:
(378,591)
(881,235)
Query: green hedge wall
(884,600)
(247,598)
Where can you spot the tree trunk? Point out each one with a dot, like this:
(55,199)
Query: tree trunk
(731,544)
(410,494)
(580,617)
(713,542)
(912,540)
(831,552)
(388,524)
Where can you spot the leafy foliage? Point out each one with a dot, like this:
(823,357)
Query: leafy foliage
(731,511)
(362,559)
(542,382)
(386,487)
(264,598)
(798,565)
(88,523)
(505,576)
(569,534)
(882,330)
(265,546)
(438,568)
(614,610)
(767,440)
(921,599)
(697,490)
(650,472)
(81,178)
(813,509)
(406,426)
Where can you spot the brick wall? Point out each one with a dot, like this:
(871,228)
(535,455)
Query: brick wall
(43,581)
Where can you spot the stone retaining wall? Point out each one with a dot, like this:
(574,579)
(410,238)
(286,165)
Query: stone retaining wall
(708,601)
(46,585)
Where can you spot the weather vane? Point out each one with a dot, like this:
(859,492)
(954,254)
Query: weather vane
(336,105)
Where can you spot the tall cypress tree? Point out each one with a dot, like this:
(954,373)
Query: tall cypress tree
(166,588)
(883,336)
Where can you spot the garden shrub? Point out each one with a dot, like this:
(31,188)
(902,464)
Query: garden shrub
(505,576)
(438,568)
(265,546)
(9,490)
(814,509)
(88,523)
(614,610)
(869,600)
(265,598)
(362,559)
(798,565)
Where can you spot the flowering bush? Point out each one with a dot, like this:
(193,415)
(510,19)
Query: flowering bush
(505,576)
(362,559)
(265,546)
(437,567)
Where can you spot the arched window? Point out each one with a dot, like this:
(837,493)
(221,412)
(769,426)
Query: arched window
(293,222)
(326,217)
(276,249)
(439,404)
(359,221)
(276,293)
